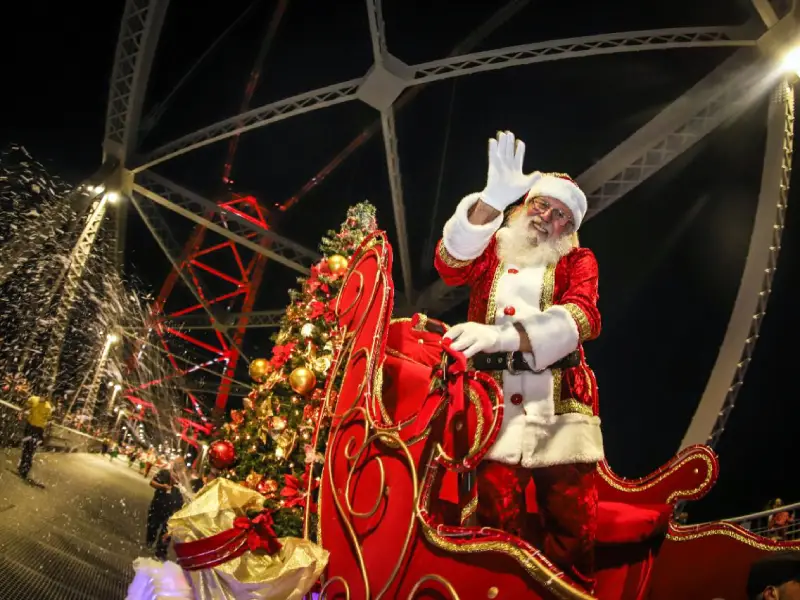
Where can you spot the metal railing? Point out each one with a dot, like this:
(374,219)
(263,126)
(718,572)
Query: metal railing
(778,523)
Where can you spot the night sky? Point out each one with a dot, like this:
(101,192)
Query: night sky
(670,253)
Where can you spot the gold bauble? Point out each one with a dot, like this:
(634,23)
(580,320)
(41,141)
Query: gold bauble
(337,264)
(253,479)
(259,369)
(302,380)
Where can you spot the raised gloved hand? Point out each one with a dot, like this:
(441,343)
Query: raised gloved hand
(471,338)
(506,183)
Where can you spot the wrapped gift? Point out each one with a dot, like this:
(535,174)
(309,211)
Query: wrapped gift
(227,549)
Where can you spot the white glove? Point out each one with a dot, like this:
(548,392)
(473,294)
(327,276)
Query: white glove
(506,183)
(471,338)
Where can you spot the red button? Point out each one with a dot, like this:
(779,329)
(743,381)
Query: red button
(509,310)
(513,271)
(516,399)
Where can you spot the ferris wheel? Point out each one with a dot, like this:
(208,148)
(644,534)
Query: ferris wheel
(754,68)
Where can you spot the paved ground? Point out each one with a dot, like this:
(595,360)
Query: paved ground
(75,537)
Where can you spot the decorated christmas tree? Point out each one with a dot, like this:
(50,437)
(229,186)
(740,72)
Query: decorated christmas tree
(268,445)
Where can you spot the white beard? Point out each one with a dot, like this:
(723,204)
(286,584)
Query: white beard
(519,245)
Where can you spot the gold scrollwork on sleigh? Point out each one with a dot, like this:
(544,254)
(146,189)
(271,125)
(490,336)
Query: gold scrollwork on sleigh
(707,464)
(437,578)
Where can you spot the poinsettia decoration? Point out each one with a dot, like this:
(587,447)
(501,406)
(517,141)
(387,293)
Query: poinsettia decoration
(295,491)
(260,532)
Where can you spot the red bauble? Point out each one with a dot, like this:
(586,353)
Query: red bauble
(222,454)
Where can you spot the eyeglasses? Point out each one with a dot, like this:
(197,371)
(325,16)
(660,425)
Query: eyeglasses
(542,206)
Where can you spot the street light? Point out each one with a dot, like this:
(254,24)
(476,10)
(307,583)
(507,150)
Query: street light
(791,61)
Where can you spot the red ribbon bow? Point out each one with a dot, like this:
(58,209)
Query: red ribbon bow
(451,373)
(260,535)
(246,534)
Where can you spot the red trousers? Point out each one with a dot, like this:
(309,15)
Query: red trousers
(566,525)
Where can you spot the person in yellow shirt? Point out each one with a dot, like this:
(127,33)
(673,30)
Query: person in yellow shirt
(37,413)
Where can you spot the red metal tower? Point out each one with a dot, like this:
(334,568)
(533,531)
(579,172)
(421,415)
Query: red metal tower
(243,283)
(235,288)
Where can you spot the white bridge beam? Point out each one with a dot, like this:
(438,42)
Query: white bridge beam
(727,376)
(384,83)
(140,29)
(141,26)
(579,47)
(724,93)
(252,119)
(766,12)
(660,39)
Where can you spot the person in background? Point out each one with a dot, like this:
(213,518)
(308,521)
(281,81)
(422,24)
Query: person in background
(166,500)
(37,412)
(779,522)
(775,577)
(195,481)
(149,461)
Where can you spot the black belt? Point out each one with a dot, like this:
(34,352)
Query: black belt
(515,361)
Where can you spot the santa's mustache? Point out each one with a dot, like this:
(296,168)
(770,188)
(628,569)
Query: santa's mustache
(539,225)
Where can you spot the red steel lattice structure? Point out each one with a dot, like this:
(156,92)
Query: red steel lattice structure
(246,281)
(187,425)
(240,293)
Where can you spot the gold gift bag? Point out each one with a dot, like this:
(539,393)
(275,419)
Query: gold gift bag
(220,509)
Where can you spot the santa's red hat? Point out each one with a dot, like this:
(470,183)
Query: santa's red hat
(561,187)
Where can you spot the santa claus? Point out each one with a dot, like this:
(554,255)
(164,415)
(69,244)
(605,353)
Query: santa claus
(533,303)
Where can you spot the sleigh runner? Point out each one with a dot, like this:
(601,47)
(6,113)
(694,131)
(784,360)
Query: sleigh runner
(397,499)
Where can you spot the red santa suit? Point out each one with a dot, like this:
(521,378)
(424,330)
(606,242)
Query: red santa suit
(551,429)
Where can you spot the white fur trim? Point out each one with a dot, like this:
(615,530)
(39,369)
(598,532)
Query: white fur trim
(507,448)
(535,441)
(553,334)
(537,394)
(561,440)
(564,190)
(158,581)
(462,239)
(522,290)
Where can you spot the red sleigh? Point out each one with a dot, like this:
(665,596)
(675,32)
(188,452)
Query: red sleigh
(396,503)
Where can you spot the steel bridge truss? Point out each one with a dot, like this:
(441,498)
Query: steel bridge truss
(717,99)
